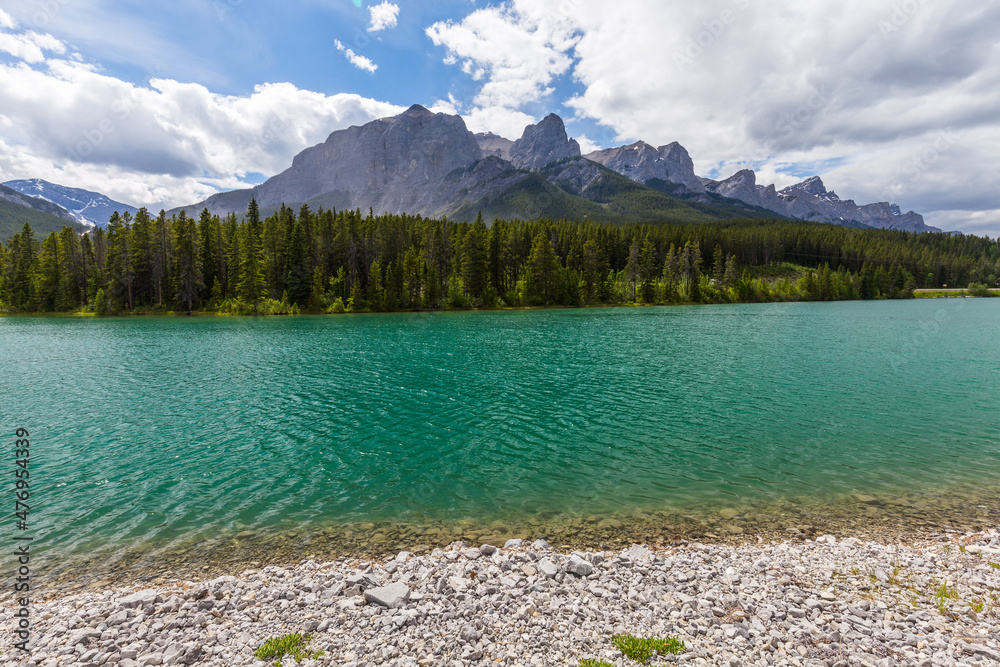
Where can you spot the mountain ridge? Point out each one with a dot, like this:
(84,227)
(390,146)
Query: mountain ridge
(84,206)
(16,209)
(426,163)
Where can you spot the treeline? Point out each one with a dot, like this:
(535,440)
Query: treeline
(328,261)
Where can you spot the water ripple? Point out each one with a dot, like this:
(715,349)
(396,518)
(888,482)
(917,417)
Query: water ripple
(158,430)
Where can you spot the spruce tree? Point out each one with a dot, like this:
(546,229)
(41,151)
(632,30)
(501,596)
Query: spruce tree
(187,273)
(298,279)
(253,279)
(543,272)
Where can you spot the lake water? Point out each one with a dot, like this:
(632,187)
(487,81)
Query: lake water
(195,436)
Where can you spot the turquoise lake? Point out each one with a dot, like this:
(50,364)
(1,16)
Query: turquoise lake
(162,431)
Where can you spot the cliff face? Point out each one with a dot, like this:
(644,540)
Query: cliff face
(430,164)
(542,144)
(810,200)
(642,163)
(494,145)
(380,163)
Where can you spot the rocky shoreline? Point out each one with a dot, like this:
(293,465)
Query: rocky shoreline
(822,601)
(903,518)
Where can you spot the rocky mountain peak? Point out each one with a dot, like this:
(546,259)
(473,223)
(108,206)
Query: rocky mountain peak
(642,163)
(417,111)
(812,185)
(430,163)
(742,185)
(543,143)
(90,208)
(378,162)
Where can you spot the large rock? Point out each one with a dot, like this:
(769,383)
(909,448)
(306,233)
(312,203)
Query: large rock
(543,143)
(393,596)
(548,568)
(579,567)
(140,599)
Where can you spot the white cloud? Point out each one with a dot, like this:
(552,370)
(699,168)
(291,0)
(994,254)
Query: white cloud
(508,123)
(165,144)
(587,145)
(355,59)
(518,53)
(7,21)
(30,46)
(383,16)
(855,89)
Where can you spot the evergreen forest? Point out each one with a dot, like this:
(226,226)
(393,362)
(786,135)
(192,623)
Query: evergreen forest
(328,261)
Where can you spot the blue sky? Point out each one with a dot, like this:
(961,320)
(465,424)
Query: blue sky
(165,103)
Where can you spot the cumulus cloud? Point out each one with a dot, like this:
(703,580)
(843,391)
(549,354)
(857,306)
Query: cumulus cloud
(166,143)
(517,52)
(356,59)
(30,46)
(383,16)
(7,21)
(857,89)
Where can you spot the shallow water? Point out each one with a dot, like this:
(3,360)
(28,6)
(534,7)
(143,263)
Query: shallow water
(161,432)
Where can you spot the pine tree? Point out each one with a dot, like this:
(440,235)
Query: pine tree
(412,278)
(47,276)
(632,268)
(73,281)
(207,252)
(542,272)
(647,268)
(475,265)
(375,294)
(23,262)
(595,267)
(253,280)
(142,244)
(719,265)
(731,275)
(298,280)
(187,273)
(120,271)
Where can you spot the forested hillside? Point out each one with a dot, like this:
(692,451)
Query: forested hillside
(327,261)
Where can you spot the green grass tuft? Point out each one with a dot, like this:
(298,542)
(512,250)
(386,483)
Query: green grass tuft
(290,644)
(641,649)
(591,662)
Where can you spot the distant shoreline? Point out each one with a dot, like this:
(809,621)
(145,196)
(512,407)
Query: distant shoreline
(918,294)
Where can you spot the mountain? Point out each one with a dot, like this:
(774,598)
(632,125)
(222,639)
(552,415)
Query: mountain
(543,144)
(430,164)
(45,206)
(43,216)
(383,164)
(90,208)
(642,163)
(810,200)
(494,144)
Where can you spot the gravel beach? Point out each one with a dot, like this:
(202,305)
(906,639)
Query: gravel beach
(826,601)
